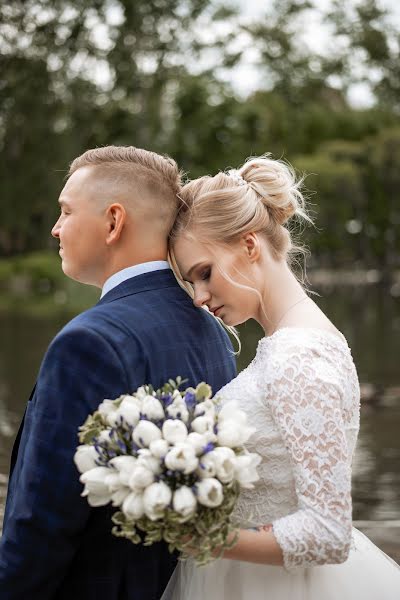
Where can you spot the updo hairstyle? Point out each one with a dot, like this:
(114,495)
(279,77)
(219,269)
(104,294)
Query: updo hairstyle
(261,196)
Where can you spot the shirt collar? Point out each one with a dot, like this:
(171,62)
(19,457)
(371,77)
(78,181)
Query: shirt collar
(128,272)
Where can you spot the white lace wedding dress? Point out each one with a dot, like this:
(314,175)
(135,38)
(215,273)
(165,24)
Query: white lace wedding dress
(301,393)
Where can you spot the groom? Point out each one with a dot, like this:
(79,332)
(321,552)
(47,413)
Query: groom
(117,208)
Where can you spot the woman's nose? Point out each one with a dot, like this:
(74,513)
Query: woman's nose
(201,297)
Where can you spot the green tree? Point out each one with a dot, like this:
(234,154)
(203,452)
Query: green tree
(356,194)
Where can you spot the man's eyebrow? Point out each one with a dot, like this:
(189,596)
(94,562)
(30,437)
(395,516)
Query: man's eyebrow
(63,202)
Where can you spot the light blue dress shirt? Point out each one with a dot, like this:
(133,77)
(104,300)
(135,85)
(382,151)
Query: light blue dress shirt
(124,274)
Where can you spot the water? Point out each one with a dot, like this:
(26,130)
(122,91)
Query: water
(367,315)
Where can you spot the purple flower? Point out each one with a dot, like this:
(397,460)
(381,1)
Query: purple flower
(121,445)
(210,446)
(166,399)
(190,399)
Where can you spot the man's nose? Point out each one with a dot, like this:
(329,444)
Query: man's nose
(55,232)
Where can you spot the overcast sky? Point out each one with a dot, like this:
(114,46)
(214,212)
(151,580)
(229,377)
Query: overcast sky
(246,77)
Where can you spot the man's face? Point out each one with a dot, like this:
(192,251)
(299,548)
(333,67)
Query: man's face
(81,230)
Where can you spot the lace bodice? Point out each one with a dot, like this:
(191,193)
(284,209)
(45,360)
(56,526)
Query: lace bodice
(301,393)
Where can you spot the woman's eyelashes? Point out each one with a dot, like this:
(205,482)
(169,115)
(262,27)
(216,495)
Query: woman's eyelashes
(205,274)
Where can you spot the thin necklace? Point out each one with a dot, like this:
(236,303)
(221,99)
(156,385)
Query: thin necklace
(286,312)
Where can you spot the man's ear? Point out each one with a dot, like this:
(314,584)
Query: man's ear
(116,219)
(252,246)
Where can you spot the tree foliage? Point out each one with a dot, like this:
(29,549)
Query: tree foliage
(76,75)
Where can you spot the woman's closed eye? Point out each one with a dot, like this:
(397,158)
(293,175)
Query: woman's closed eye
(205,274)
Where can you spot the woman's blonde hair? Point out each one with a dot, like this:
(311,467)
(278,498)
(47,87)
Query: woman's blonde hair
(262,196)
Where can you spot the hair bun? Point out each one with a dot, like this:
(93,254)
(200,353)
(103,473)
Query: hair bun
(275,183)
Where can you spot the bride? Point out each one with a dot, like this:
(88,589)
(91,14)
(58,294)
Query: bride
(231,249)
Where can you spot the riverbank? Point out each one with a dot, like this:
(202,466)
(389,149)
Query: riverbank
(35,284)
(41,270)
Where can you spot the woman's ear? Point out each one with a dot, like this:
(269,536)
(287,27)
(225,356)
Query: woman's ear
(252,247)
(116,218)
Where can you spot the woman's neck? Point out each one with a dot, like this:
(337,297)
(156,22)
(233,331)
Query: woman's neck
(281,294)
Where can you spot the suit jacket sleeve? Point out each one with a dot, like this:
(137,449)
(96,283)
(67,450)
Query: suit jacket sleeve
(48,515)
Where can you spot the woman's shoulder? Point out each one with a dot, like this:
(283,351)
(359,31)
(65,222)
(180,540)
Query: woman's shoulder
(287,338)
(298,347)
(294,348)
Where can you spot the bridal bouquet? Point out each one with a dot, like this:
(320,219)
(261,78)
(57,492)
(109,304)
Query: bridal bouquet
(173,465)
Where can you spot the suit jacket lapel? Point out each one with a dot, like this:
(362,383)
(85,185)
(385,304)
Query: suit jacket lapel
(15,449)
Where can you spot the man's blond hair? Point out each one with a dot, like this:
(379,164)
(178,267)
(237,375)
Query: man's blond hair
(148,181)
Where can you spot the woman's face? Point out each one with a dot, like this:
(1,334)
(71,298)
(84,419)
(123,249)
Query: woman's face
(217,275)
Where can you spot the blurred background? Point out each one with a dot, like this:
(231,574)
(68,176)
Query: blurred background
(211,83)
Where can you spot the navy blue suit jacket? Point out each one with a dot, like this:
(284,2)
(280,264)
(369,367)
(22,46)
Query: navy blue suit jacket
(146,330)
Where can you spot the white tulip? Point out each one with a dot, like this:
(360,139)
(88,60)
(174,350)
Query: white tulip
(137,400)
(85,458)
(107,407)
(112,480)
(133,506)
(105,436)
(198,441)
(156,498)
(145,432)
(174,431)
(204,424)
(207,465)
(123,463)
(209,492)
(96,489)
(125,466)
(184,501)
(182,457)
(178,410)
(205,408)
(140,478)
(118,490)
(225,460)
(148,460)
(159,448)
(118,497)
(129,410)
(245,470)
(233,434)
(152,408)
(141,393)
(231,412)
(113,419)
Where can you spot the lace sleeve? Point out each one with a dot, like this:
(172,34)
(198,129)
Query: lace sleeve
(305,396)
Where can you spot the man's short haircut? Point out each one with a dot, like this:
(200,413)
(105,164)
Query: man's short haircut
(140,175)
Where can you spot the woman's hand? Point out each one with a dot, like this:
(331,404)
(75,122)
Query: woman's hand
(257,544)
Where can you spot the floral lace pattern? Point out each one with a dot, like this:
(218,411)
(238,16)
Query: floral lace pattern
(301,393)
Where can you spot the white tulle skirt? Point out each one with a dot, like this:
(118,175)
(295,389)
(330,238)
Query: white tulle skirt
(368,574)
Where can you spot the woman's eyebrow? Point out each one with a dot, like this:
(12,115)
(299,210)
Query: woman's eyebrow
(192,268)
